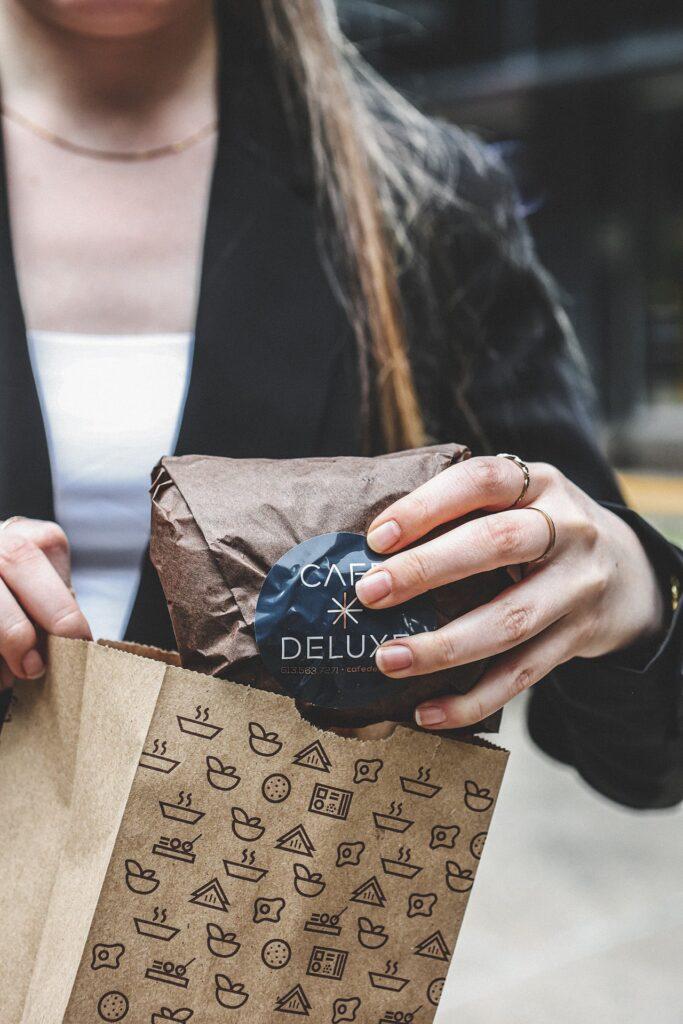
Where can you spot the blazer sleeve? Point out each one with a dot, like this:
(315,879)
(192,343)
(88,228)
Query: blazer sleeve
(616,719)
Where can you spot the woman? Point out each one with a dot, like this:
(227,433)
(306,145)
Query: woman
(425,314)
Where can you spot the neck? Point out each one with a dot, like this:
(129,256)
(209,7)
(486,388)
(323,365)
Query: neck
(150,85)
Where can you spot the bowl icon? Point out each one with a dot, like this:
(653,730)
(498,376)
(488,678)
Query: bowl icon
(477,799)
(266,744)
(246,828)
(458,879)
(155,929)
(140,880)
(221,943)
(307,883)
(228,994)
(371,936)
(194,727)
(221,776)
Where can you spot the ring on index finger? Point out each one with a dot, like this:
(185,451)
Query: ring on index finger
(525,472)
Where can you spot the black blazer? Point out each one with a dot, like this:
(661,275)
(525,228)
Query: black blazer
(274,375)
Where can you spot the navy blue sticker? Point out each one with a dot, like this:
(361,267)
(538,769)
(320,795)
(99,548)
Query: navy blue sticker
(313,633)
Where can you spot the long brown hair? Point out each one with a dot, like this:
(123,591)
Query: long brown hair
(358,188)
(390,181)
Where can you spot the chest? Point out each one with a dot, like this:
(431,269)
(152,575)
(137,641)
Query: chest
(103,246)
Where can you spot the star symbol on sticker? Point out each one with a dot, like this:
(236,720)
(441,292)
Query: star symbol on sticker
(344,610)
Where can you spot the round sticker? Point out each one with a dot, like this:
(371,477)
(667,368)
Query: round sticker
(316,637)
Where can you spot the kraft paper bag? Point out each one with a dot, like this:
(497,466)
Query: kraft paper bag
(68,753)
(177,847)
(267,870)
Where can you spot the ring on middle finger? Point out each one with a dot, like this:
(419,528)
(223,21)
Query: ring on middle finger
(552,535)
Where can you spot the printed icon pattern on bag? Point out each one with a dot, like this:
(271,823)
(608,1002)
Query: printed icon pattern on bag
(199,725)
(230,994)
(113,1007)
(276,788)
(156,927)
(156,759)
(313,756)
(325,924)
(328,963)
(182,811)
(345,1010)
(389,978)
(330,801)
(420,784)
(107,956)
(246,870)
(266,866)
(367,770)
(391,821)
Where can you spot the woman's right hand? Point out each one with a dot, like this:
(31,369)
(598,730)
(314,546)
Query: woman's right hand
(35,595)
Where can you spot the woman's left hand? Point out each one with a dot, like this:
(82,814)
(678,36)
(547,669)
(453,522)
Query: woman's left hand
(596,593)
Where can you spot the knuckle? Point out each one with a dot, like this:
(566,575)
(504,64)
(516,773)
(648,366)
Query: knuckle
(519,680)
(473,711)
(65,621)
(503,533)
(17,635)
(16,550)
(416,571)
(547,472)
(485,474)
(416,507)
(54,538)
(515,623)
(444,649)
(589,532)
(598,584)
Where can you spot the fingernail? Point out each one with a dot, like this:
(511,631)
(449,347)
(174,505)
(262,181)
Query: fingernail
(385,536)
(33,665)
(394,658)
(374,587)
(429,714)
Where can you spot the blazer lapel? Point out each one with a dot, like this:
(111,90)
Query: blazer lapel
(25,482)
(274,368)
(271,337)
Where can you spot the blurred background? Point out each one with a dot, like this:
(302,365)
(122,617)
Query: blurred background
(579,910)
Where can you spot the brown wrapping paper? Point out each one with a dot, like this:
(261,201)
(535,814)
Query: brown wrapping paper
(218,525)
(261,870)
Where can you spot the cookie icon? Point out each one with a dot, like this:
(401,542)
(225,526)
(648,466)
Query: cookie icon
(276,788)
(276,954)
(435,989)
(112,1007)
(477,844)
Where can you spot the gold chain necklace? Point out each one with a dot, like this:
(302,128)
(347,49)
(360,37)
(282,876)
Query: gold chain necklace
(124,156)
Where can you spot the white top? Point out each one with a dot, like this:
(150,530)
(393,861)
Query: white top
(112,406)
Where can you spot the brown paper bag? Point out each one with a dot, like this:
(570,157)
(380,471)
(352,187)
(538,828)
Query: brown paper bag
(261,870)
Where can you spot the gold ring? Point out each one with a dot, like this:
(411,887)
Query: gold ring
(525,470)
(8,522)
(552,534)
